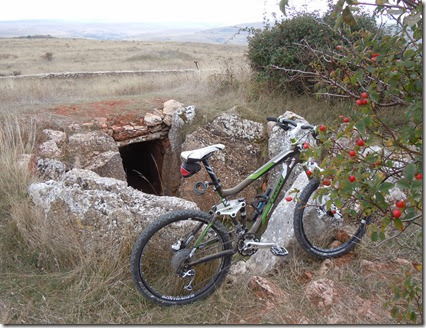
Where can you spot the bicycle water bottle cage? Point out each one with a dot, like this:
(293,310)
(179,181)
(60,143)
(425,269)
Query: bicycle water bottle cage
(259,200)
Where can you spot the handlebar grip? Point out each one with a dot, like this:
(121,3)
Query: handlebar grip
(307,126)
(272,119)
(294,123)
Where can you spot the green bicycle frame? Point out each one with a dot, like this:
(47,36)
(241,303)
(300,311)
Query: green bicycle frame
(289,157)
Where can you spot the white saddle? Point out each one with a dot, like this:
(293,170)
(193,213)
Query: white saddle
(198,154)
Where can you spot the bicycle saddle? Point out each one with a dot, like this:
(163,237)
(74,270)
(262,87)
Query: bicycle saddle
(200,153)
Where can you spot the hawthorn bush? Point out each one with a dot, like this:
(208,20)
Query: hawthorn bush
(288,44)
(367,157)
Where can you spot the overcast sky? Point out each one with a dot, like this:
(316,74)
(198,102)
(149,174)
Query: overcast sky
(220,12)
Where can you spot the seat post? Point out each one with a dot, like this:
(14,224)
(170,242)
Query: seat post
(215,180)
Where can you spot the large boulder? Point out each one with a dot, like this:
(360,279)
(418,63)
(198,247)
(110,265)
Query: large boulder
(279,230)
(280,225)
(279,140)
(100,206)
(98,152)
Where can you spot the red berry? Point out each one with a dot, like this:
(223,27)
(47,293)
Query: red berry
(419,176)
(359,102)
(375,55)
(339,47)
(352,178)
(345,119)
(333,212)
(364,101)
(308,173)
(289,198)
(322,128)
(360,142)
(373,59)
(376,163)
(396,213)
(326,182)
(352,153)
(400,204)
(364,95)
(306,145)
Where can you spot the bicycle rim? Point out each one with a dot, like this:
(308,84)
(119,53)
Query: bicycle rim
(166,250)
(328,231)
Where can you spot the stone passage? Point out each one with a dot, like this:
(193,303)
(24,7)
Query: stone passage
(143,164)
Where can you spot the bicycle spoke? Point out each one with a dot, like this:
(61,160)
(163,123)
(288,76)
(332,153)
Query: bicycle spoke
(159,260)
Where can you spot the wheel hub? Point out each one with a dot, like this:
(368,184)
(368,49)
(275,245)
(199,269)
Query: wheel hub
(178,260)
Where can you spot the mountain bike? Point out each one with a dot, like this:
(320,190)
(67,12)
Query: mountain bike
(185,255)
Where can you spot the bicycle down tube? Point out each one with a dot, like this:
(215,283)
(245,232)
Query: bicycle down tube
(292,157)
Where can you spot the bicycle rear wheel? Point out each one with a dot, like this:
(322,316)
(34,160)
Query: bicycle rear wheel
(323,232)
(160,257)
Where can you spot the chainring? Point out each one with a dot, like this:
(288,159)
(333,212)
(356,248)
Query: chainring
(245,250)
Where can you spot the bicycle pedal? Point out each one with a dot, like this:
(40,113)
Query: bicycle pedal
(279,251)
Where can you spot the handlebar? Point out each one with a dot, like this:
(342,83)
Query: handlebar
(283,123)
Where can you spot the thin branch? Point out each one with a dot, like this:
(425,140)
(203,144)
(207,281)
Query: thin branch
(332,95)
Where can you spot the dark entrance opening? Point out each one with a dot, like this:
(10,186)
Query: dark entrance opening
(143,164)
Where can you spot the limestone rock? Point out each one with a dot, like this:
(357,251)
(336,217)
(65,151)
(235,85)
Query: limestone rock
(99,206)
(280,140)
(170,106)
(96,151)
(50,168)
(320,292)
(171,162)
(152,119)
(82,147)
(233,126)
(49,149)
(279,230)
(265,289)
(108,164)
(57,136)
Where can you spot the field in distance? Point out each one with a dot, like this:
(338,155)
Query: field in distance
(45,55)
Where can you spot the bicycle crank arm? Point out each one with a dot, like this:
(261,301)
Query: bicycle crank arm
(259,244)
(211,257)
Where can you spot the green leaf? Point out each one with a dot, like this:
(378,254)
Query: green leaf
(417,185)
(398,224)
(348,18)
(385,186)
(409,171)
(360,125)
(283,4)
(403,183)
(380,199)
(374,236)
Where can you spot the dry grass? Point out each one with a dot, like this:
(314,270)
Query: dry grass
(48,278)
(28,56)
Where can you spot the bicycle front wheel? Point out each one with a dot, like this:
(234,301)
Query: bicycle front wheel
(161,258)
(326,232)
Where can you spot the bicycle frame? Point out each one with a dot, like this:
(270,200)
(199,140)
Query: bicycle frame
(289,157)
